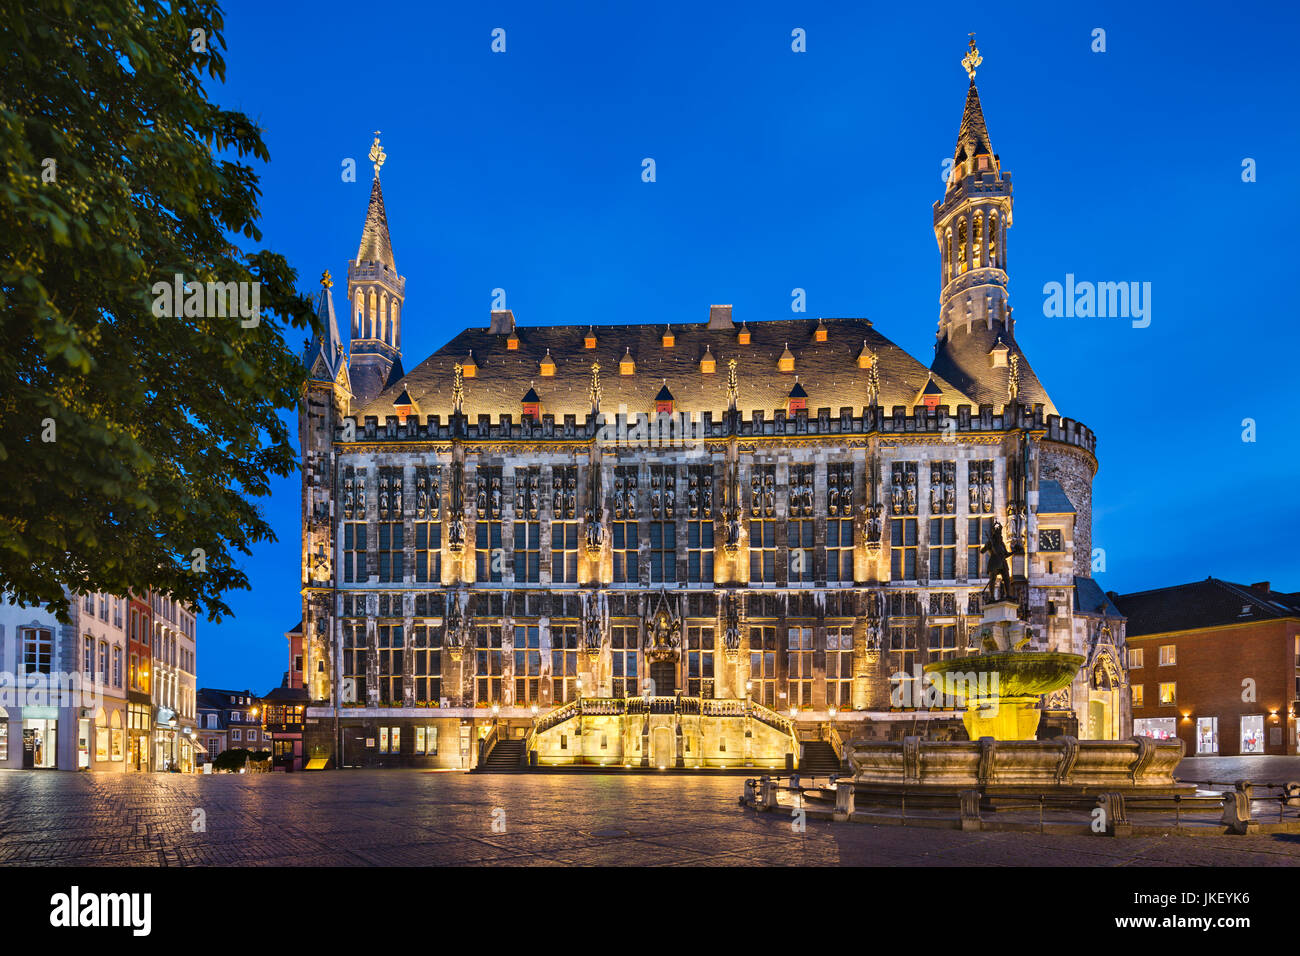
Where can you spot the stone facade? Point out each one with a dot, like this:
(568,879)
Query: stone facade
(747,537)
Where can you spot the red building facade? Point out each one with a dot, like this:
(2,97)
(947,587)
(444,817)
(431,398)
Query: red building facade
(1216,665)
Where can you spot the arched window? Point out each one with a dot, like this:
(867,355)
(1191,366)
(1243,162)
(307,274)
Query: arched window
(371,315)
(961,246)
(993,239)
(359,319)
(978,243)
(383,317)
(392,324)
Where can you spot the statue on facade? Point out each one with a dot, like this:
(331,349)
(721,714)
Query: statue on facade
(999,567)
(663,635)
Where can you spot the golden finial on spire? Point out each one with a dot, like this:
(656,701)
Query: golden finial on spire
(377,154)
(970,61)
(326,280)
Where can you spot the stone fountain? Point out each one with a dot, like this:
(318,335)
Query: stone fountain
(1001,683)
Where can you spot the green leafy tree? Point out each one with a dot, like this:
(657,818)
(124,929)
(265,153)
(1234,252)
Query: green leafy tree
(133,445)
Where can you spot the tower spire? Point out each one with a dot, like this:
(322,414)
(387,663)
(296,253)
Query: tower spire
(376,294)
(972,222)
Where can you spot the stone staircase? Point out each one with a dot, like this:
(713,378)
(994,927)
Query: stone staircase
(505,756)
(819,758)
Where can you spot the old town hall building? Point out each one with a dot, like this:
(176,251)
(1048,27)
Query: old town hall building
(725,542)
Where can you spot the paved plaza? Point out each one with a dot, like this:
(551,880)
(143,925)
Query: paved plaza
(412,818)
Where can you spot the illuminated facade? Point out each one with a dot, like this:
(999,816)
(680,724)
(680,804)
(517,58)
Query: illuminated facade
(690,544)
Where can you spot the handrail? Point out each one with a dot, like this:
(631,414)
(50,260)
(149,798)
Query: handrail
(836,741)
(771,718)
(486,744)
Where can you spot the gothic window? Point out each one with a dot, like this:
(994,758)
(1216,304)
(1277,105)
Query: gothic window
(978,239)
(839,523)
(371,313)
(699,552)
(663,551)
(488,551)
(799,533)
(762,665)
(428,551)
(799,674)
(699,525)
(391,551)
(626,540)
(961,246)
(943,549)
(426,662)
(902,550)
(354,551)
(487,664)
(358,324)
(528,553)
(993,239)
(564,662)
(622,641)
(564,552)
(663,529)
(390,663)
(839,666)
(947,253)
(528,665)
(699,662)
(626,550)
(943,641)
(392,323)
(904,612)
(980,502)
(354,660)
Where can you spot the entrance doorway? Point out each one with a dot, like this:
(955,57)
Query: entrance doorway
(1207,735)
(39,743)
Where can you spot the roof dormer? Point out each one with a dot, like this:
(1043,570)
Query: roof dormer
(786,362)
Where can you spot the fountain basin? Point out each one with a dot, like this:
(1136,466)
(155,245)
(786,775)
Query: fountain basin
(1001,690)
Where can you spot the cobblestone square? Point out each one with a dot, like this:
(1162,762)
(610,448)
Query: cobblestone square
(412,818)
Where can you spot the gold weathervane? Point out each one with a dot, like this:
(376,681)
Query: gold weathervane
(970,61)
(377,154)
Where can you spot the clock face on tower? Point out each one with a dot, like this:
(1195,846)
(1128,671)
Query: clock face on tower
(1049,539)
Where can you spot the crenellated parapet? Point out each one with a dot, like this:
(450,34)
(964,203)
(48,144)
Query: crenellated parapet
(643,430)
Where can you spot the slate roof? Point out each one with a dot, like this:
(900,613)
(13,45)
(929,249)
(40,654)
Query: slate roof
(1052,499)
(1207,603)
(324,356)
(973,135)
(376,246)
(1090,599)
(963,360)
(827,370)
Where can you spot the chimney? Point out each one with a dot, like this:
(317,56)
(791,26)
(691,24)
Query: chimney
(720,317)
(1261,586)
(503,322)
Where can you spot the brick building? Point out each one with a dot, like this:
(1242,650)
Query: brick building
(1217,665)
(689,543)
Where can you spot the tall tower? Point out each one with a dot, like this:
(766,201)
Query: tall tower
(976,337)
(327,395)
(375,297)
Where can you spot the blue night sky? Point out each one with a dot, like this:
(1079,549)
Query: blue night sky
(817,170)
